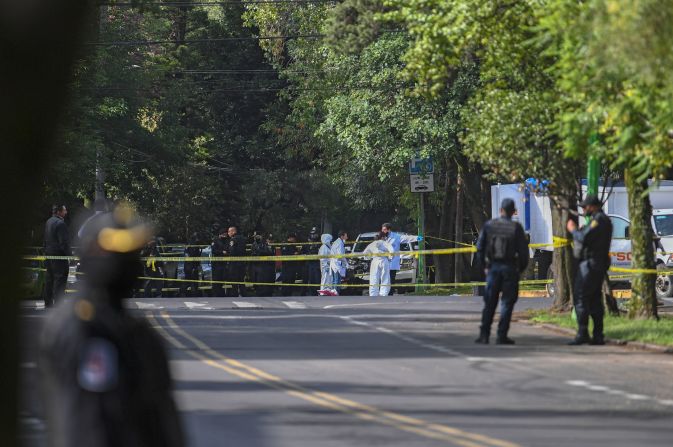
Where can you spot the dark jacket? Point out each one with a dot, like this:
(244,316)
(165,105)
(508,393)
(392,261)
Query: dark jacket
(106,378)
(220,247)
(237,246)
(592,242)
(56,238)
(503,240)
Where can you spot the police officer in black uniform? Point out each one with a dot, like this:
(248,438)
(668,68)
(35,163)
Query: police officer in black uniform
(503,251)
(291,270)
(236,269)
(263,271)
(219,248)
(56,243)
(105,372)
(312,267)
(192,268)
(592,249)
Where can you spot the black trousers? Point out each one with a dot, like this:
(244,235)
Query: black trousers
(312,277)
(588,300)
(237,274)
(393,274)
(191,274)
(153,284)
(263,272)
(219,274)
(55,280)
(291,272)
(501,278)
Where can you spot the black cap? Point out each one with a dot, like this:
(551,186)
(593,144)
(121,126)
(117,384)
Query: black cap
(591,199)
(508,206)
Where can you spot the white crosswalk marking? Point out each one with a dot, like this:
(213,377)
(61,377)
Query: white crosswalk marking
(246,305)
(193,305)
(295,304)
(147,305)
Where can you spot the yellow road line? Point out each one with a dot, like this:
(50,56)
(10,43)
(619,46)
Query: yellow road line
(326,400)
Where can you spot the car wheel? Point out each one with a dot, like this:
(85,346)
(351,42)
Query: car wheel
(664,283)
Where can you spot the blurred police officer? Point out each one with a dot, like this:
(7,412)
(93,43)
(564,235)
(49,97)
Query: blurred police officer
(104,372)
(592,249)
(291,270)
(503,251)
(219,248)
(263,271)
(56,243)
(192,268)
(236,269)
(312,268)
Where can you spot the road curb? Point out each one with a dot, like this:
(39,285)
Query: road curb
(611,341)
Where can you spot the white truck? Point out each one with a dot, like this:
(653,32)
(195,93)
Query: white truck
(534,213)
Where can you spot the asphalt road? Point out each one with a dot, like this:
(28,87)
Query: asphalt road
(399,371)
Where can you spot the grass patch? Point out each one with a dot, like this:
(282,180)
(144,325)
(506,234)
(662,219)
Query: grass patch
(438,291)
(618,328)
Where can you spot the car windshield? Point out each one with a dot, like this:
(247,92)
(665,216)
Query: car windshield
(362,243)
(664,224)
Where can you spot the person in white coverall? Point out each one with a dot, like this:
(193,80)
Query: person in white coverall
(338,265)
(379,269)
(325,271)
(395,240)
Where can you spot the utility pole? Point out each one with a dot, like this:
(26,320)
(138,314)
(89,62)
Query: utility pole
(421,243)
(593,169)
(421,178)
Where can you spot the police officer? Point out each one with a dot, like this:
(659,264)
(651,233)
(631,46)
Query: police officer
(105,372)
(591,248)
(312,268)
(503,251)
(219,248)
(191,268)
(236,269)
(56,243)
(263,271)
(292,270)
(153,269)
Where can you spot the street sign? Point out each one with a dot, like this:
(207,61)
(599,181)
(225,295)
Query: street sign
(422,183)
(419,165)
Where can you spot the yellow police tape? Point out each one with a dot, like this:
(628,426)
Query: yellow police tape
(272,258)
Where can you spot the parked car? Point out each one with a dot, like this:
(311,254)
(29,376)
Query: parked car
(408,263)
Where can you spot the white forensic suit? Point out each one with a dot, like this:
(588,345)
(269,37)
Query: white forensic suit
(379,269)
(338,265)
(325,272)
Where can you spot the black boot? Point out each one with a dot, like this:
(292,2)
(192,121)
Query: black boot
(482,340)
(504,341)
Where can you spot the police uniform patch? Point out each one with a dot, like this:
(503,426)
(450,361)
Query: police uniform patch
(594,223)
(99,366)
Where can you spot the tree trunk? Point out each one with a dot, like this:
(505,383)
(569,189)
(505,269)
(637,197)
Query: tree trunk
(643,297)
(562,259)
(477,196)
(458,238)
(444,264)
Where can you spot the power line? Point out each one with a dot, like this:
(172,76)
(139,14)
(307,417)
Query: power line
(220,39)
(216,3)
(192,41)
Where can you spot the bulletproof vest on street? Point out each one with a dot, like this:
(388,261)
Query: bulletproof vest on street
(501,241)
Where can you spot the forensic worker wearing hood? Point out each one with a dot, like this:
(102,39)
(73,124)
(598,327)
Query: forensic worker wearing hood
(325,271)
